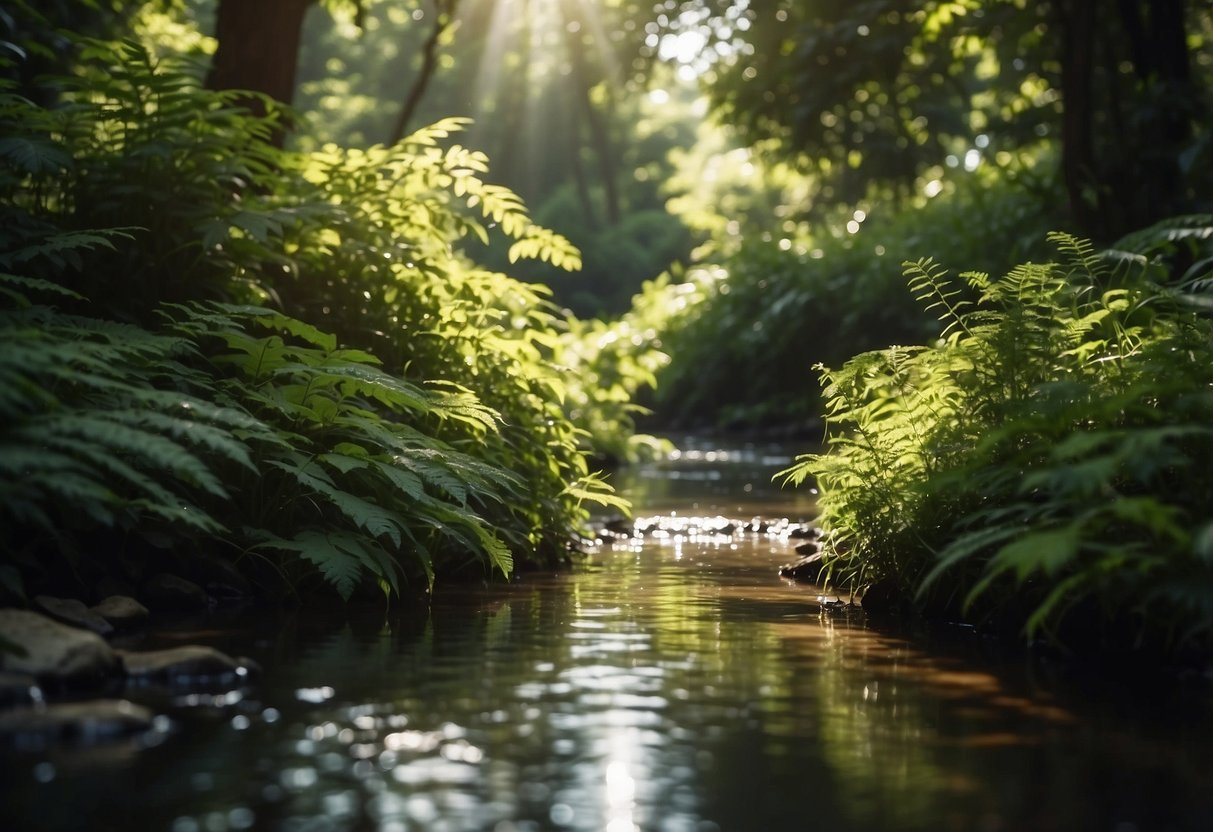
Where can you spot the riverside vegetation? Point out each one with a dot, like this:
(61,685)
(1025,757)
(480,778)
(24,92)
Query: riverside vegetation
(280,358)
(1046,462)
(214,347)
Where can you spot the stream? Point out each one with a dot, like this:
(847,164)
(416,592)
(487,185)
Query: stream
(674,684)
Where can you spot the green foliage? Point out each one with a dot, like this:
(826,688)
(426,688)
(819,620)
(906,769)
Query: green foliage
(139,141)
(353,444)
(586,148)
(750,322)
(882,90)
(618,258)
(90,439)
(1050,452)
(313,380)
(608,364)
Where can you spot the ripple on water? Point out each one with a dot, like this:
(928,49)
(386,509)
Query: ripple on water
(674,685)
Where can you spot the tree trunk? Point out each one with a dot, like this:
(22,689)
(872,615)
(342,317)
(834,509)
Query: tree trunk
(258,48)
(1079,168)
(1166,105)
(1122,140)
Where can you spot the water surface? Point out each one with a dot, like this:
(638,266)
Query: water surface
(675,684)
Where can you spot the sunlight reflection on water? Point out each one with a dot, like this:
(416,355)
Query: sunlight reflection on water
(675,683)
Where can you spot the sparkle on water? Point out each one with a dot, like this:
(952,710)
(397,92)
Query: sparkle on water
(674,683)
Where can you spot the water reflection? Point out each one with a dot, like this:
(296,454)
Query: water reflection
(674,684)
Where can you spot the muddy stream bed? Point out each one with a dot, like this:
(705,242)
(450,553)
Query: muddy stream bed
(674,684)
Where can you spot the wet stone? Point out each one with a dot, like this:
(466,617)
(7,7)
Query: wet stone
(53,652)
(882,598)
(74,612)
(187,665)
(805,533)
(112,585)
(619,527)
(95,721)
(808,569)
(122,611)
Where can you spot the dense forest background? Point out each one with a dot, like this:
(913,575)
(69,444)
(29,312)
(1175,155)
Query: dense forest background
(416,266)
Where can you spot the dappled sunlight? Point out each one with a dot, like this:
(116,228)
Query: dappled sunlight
(343,318)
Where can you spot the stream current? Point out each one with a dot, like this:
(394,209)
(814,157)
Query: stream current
(672,684)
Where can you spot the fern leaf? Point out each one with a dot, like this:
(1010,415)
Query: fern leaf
(404,480)
(34,156)
(340,566)
(117,439)
(499,554)
(929,284)
(374,520)
(64,248)
(277,321)
(16,286)
(378,385)
(594,490)
(343,463)
(185,515)
(428,465)
(215,440)
(1082,254)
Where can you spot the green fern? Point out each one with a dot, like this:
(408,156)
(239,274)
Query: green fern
(930,286)
(416,430)
(1054,448)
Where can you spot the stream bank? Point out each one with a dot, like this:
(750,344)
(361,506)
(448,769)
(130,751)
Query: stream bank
(670,683)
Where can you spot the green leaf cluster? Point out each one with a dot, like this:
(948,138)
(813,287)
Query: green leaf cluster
(748,321)
(214,346)
(1050,453)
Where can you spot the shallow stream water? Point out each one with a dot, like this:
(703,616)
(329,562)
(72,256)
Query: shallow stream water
(673,684)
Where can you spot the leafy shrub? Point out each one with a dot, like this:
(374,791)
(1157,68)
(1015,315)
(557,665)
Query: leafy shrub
(136,144)
(417,430)
(89,440)
(758,319)
(611,364)
(1051,452)
(221,432)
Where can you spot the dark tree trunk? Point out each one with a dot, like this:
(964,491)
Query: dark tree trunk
(258,48)
(1166,104)
(1079,168)
(1122,139)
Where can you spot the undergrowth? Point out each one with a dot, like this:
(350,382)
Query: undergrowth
(214,346)
(1047,463)
(748,322)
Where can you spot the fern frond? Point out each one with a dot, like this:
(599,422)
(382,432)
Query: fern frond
(217,441)
(359,379)
(340,566)
(1187,227)
(17,288)
(277,321)
(431,467)
(120,439)
(34,155)
(403,479)
(64,249)
(1083,256)
(930,285)
(374,520)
